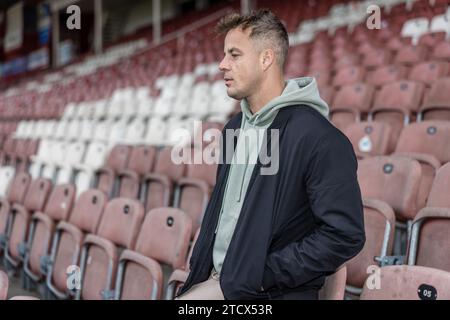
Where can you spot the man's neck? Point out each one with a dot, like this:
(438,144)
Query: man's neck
(265,94)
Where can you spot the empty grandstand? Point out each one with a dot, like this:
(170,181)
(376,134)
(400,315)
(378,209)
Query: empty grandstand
(89,119)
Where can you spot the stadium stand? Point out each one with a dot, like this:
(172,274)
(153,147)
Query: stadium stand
(87,176)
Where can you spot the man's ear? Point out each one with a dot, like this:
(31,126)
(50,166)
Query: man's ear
(267,58)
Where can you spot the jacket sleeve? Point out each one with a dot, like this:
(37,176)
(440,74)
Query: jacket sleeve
(335,200)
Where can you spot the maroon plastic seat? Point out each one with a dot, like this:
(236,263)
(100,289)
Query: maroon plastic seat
(117,160)
(410,55)
(436,105)
(35,200)
(396,104)
(408,283)
(431,227)
(118,230)
(141,162)
(370,138)
(429,71)
(349,75)
(158,186)
(379,225)
(68,240)
(394,180)
(350,103)
(42,228)
(386,74)
(163,239)
(428,143)
(16,194)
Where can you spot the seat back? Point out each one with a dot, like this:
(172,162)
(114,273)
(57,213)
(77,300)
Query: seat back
(408,283)
(386,74)
(379,225)
(165,236)
(428,137)
(18,187)
(396,102)
(60,202)
(121,221)
(37,194)
(88,210)
(349,75)
(436,103)
(427,72)
(350,103)
(431,227)
(165,165)
(370,138)
(394,180)
(428,143)
(142,159)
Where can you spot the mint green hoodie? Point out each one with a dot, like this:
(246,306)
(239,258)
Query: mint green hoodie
(300,91)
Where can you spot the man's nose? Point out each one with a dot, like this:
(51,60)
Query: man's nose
(223,66)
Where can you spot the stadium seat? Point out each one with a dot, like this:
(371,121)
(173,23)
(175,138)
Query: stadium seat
(370,138)
(163,238)
(396,103)
(427,142)
(441,51)
(6,176)
(134,132)
(16,194)
(427,72)
(386,74)
(436,105)
(68,240)
(94,159)
(394,180)
(349,75)
(141,162)
(106,176)
(158,187)
(350,103)
(376,58)
(431,227)
(41,231)
(408,283)
(411,55)
(118,228)
(179,276)
(379,176)
(431,39)
(20,217)
(327,94)
(195,188)
(74,156)
(379,224)
(415,28)
(156,131)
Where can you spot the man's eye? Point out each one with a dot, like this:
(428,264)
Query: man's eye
(234,55)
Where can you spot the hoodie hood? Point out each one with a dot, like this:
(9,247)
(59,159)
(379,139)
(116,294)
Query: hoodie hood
(300,91)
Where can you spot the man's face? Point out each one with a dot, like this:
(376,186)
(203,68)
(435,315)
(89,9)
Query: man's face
(241,64)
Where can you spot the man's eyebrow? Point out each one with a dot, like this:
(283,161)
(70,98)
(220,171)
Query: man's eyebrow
(234,49)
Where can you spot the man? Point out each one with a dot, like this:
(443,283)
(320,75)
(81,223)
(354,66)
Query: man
(275,236)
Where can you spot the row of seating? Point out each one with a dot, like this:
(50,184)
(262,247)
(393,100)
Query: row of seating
(154,130)
(390,186)
(399,103)
(429,73)
(365,57)
(45,238)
